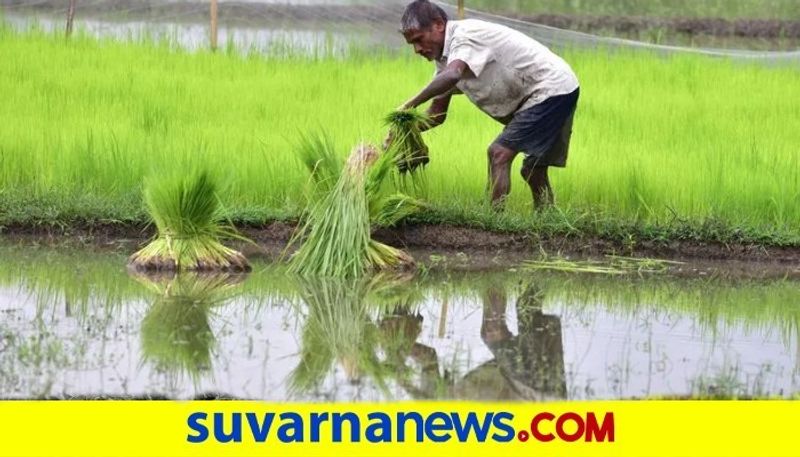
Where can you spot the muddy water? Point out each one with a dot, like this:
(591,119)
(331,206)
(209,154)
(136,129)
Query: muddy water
(76,324)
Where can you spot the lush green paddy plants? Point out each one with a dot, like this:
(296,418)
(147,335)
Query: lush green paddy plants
(663,147)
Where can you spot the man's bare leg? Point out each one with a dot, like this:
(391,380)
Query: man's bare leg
(500,159)
(539,182)
(493,326)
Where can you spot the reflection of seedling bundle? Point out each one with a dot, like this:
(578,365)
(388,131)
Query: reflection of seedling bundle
(187,214)
(344,203)
(339,327)
(176,335)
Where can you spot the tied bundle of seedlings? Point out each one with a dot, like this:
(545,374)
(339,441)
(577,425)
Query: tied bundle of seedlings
(188,217)
(406,128)
(336,235)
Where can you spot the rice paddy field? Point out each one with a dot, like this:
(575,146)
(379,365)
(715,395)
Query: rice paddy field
(132,128)
(679,146)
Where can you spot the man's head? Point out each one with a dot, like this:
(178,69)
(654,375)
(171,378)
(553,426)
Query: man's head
(423,26)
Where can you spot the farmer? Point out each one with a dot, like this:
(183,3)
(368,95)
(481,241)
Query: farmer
(509,76)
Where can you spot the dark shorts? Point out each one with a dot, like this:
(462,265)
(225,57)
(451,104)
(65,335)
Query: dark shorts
(542,132)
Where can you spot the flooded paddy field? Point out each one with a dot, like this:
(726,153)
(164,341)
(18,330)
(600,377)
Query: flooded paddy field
(75,323)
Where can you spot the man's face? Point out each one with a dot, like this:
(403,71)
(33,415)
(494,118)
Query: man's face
(428,43)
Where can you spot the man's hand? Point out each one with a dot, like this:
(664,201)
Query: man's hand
(387,142)
(407,105)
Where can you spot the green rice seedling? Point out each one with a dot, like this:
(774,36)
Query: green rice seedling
(187,215)
(176,332)
(335,236)
(318,155)
(405,128)
(612,265)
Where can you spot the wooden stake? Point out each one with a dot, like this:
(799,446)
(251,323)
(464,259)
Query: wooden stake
(443,316)
(70,17)
(460,9)
(213,25)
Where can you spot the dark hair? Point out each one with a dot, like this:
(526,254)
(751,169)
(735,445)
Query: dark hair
(420,15)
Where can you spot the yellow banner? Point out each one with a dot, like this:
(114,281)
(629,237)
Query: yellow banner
(161,428)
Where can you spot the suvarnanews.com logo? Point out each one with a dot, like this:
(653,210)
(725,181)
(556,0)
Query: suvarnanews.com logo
(400,427)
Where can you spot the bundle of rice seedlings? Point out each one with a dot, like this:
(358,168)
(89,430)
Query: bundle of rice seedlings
(176,334)
(187,214)
(335,236)
(406,129)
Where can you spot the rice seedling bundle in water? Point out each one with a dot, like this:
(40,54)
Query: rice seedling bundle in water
(335,236)
(188,217)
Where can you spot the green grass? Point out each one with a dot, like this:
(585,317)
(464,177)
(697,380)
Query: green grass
(663,148)
(731,9)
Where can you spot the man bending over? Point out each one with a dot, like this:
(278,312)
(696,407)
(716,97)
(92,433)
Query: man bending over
(509,76)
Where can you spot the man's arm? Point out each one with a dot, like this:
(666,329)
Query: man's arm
(437,114)
(443,83)
(438,111)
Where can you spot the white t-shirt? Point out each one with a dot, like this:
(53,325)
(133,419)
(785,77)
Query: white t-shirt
(512,71)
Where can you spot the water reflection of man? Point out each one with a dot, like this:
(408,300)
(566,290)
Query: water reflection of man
(531,362)
(527,366)
(401,330)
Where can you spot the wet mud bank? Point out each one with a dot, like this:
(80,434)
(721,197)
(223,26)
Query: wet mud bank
(462,248)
